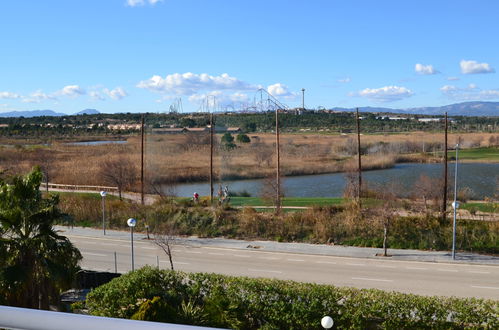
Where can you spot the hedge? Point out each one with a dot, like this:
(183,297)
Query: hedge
(247,303)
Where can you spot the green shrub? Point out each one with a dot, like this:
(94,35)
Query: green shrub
(245,303)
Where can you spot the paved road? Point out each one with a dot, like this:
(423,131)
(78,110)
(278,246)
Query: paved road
(427,278)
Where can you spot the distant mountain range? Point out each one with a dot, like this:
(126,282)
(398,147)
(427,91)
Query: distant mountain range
(48,113)
(458,109)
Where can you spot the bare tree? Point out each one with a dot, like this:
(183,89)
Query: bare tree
(165,238)
(120,172)
(45,158)
(429,189)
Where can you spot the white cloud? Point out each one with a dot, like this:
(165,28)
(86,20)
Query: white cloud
(280,90)
(192,83)
(97,96)
(9,95)
(425,69)
(385,94)
(136,3)
(116,94)
(469,93)
(344,80)
(71,90)
(473,67)
(452,78)
(37,97)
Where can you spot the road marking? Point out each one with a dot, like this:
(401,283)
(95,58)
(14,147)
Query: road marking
(371,279)
(95,254)
(269,258)
(147,248)
(485,287)
(477,272)
(384,266)
(175,262)
(216,254)
(353,264)
(295,259)
(264,271)
(447,270)
(417,268)
(240,256)
(326,262)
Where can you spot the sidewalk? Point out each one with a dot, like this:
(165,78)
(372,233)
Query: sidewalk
(301,248)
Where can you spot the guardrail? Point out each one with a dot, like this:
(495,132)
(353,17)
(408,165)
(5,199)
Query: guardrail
(33,319)
(77,187)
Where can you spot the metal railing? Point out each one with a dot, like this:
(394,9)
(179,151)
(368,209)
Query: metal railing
(33,319)
(78,187)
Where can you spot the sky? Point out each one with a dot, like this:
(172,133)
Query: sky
(145,55)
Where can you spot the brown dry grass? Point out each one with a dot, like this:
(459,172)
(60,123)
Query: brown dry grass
(177,158)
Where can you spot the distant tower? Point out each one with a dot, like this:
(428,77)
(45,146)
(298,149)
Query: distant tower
(303,99)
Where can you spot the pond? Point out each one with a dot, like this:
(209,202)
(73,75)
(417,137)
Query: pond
(479,177)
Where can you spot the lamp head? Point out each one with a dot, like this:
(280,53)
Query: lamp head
(131,222)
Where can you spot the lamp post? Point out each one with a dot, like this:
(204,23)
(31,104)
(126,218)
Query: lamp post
(103,195)
(132,223)
(327,322)
(455,206)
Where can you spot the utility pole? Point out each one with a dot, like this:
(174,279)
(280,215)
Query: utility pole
(278,175)
(211,158)
(359,168)
(142,161)
(444,202)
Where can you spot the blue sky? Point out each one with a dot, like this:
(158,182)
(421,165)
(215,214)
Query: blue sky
(141,55)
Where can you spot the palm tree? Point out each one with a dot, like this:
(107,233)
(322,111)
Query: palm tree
(36,262)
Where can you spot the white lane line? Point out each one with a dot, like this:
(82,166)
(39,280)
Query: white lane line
(95,254)
(295,260)
(417,268)
(216,254)
(371,279)
(264,271)
(477,272)
(269,258)
(353,264)
(485,287)
(326,262)
(384,266)
(175,262)
(447,270)
(241,256)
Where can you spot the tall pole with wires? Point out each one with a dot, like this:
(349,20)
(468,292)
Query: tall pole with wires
(142,161)
(211,158)
(444,201)
(278,165)
(359,167)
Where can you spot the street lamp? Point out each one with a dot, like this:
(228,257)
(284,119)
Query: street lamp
(103,195)
(327,322)
(455,206)
(132,223)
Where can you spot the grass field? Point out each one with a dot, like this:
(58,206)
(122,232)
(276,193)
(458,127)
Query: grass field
(286,201)
(482,207)
(481,154)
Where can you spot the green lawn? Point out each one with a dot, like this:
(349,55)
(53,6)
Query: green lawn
(286,201)
(485,154)
(482,207)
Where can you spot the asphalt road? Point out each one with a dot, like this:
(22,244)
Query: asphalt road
(426,278)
